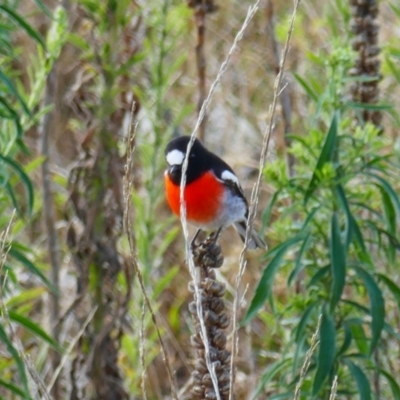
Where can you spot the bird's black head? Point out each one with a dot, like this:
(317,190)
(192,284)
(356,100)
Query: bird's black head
(175,153)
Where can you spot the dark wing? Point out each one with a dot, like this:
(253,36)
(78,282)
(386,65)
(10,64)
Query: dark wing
(225,174)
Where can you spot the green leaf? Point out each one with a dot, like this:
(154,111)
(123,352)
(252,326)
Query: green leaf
(368,106)
(273,370)
(318,276)
(338,262)
(34,328)
(12,89)
(327,155)
(326,355)
(301,326)
(385,186)
(390,214)
(348,337)
(392,286)
(24,179)
(394,386)
(307,88)
(13,389)
(23,24)
(377,306)
(364,388)
(13,115)
(266,215)
(263,289)
(299,265)
(18,360)
(341,196)
(359,336)
(30,266)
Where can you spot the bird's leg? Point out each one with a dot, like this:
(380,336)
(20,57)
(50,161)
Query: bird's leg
(193,242)
(215,237)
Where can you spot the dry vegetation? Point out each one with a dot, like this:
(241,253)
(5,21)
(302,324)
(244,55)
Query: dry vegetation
(95,295)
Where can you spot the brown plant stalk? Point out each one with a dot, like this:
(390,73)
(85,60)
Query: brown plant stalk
(127,222)
(365,29)
(257,187)
(206,257)
(250,14)
(201,9)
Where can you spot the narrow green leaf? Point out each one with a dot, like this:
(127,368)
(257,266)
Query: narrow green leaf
(23,24)
(299,265)
(377,306)
(301,326)
(17,255)
(394,386)
(318,276)
(368,106)
(348,337)
(13,389)
(341,196)
(34,328)
(390,214)
(394,70)
(266,215)
(327,155)
(24,179)
(327,349)
(12,89)
(338,262)
(18,360)
(44,8)
(385,186)
(359,336)
(364,388)
(263,289)
(307,88)
(273,370)
(392,286)
(13,199)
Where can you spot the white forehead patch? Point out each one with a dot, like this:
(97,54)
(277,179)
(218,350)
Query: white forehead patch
(229,176)
(175,157)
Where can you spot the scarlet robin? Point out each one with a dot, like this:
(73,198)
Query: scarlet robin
(213,196)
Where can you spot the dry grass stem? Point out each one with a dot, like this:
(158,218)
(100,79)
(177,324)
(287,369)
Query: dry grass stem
(142,351)
(4,249)
(307,360)
(251,12)
(128,187)
(201,9)
(332,396)
(256,189)
(71,346)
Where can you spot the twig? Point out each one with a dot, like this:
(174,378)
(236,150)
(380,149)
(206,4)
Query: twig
(334,388)
(251,12)
(128,178)
(71,346)
(256,189)
(49,218)
(32,372)
(307,361)
(285,92)
(142,352)
(201,9)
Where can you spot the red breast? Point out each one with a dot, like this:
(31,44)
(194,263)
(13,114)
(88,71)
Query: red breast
(203,198)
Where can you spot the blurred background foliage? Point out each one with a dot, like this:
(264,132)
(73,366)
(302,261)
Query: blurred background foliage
(77,76)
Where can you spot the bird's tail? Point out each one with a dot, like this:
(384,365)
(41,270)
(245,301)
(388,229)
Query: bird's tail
(255,241)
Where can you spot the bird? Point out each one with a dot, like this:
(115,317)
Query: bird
(213,196)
